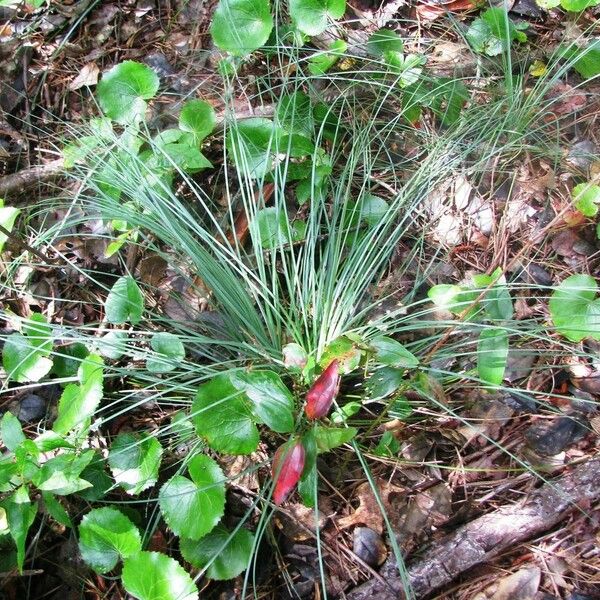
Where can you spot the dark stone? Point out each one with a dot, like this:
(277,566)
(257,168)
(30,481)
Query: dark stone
(31,408)
(552,437)
(520,402)
(369,546)
(527,8)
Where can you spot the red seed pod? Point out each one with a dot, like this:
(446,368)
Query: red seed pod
(323,391)
(288,464)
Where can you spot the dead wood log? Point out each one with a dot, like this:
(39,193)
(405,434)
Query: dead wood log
(18,182)
(488,536)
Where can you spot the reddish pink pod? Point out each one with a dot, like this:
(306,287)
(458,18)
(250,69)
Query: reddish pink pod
(288,464)
(323,391)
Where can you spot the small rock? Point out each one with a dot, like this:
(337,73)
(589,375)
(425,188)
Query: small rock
(552,437)
(520,402)
(582,154)
(533,273)
(527,8)
(31,408)
(369,546)
(159,63)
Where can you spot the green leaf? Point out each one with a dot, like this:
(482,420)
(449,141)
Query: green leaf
(24,357)
(105,536)
(134,460)
(198,118)
(222,415)
(294,114)
(448,99)
(78,403)
(124,302)
(373,209)
(400,408)
(385,40)
(154,576)
(497,302)
(320,63)
(113,345)
(492,352)
(8,214)
(61,474)
(251,143)
(55,509)
(178,156)
(575,309)
(453,298)
(96,474)
(578,5)
(408,67)
(193,508)
(170,351)
(67,359)
(312,16)
(272,402)
(308,481)
(294,357)
(345,351)
(342,414)
(241,26)
(390,352)
(328,438)
(586,61)
(383,382)
(20,513)
(587,198)
(229,557)
(11,431)
(388,445)
(274,228)
(123,90)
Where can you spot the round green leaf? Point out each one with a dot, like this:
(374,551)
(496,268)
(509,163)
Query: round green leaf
(272,402)
(198,118)
(578,5)
(241,26)
(575,309)
(273,227)
(105,535)
(384,40)
(294,114)
(169,350)
(343,350)
(23,361)
(312,16)
(124,302)
(222,415)
(251,143)
(390,352)
(134,460)
(229,558)
(123,90)
(154,576)
(328,438)
(587,198)
(114,344)
(193,508)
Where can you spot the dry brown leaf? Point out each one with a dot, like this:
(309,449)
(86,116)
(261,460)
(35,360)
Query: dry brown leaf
(522,585)
(297,522)
(87,76)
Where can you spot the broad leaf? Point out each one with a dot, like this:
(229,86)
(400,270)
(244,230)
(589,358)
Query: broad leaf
(274,228)
(343,350)
(223,416)
(124,302)
(272,402)
(383,382)
(578,5)
(67,359)
(198,118)
(154,576)
(320,63)
(78,403)
(586,61)
(308,482)
(11,431)
(448,98)
(313,16)
(587,198)
(294,114)
(241,26)
(328,438)
(20,513)
(134,460)
(96,474)
(55,509)
(229,557)
(8,214)
(105,536)
(113,345)
(251,143)
(193,508)
(169,352)
(575,309)
(122,92)
(392,353)
(492,352)
(62,474)
(385,40)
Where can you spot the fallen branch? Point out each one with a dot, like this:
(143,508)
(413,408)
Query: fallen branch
(16,183)
(488,536)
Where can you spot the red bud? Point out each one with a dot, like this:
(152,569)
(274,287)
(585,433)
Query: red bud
(288,464)
(323,391)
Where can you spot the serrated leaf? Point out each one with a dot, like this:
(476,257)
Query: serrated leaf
(223,416)
(198,118)
(134,460)
(123,90)
(78,403)
(193,508)
(96,474)
(492,352)
(328,438)
(241,26)
(62,474)
(575,309)
(169,352)
(154,576)
(392,353)
(20,513)
(313,16)
(105,536)
(67,359)
(56,510)
(11,431)
(124,302)
(229,557)
(272,402)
